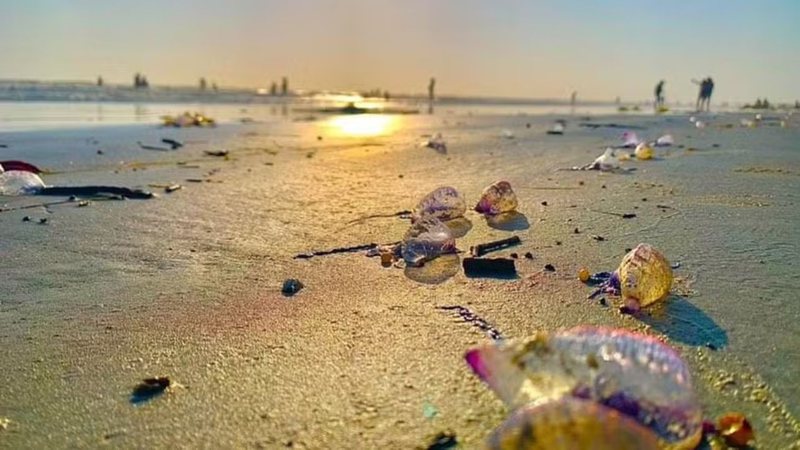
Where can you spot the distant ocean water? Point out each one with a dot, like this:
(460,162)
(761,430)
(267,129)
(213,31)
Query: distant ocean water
(33,105)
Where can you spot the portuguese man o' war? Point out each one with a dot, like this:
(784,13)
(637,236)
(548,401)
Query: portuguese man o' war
(18,182)
(643,152)
(605,162)
(645,277)
(496,199)
(630,140)
(637,375)
(665,141)
(444,203)
(425,240)
(570,424)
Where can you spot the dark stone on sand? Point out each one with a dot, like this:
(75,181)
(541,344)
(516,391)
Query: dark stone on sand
(43,220)
(149,388)
(489,267)
(544,203)
(291,286)
(26,219)
(549,268)
(603,301)
(443,441)
(576,231)
(514,255)
(528,255)
(598,238)
(711,346)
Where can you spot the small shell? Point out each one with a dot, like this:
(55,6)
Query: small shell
(444,203)
(425,240)
(569,424)
(643,152)
(645,276)
(497,199)
(635,374)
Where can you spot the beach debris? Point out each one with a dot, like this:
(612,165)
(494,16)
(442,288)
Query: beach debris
(735,429)
(528,255)
(598,238)
(158,148)
(83,203)
(429,411)
(172,188)
(568,424)
(15,165)
(664,141)
(482,249)
(557,129)
(219,153)
(43,220)
(4,423)
(444,203)
(20,182)
(351,249)
(549,268)
(596,125)
(26,219)
(645,277)
(173,143)
(507,134)
(468,316)
(425,240)
(149,388)
(445,440)
(188,119)
(437,143)
(605,162)
(630,140)
(643,152)
(583,274)
(499,198)
(92,191)
(514,255)
(610,213)
(291,286)
(632,373)
(699,124)
(489,267)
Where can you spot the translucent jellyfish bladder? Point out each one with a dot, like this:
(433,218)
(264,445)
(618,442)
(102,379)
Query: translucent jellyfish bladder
(568,424)
(630,139)
(643,152)
(605,162)
(665,141)
(425,240)
(17,182)
(645,277)
(637,375)
(496,199)
(444,203)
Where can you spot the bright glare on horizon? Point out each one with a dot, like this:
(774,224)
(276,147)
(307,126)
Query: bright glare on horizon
(363,125)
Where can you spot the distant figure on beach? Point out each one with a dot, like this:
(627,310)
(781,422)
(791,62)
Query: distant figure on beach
(214,86)
(704,95)
(284,86)
(659,92)
(573,99)
(273,89)
(202,84)
(99,81)
(432,89)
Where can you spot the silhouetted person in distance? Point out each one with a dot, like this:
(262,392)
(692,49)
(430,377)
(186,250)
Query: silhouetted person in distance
(709,91)
(214,86)
(704,95)
(273,89)
(284,86)
(202,84)
(137,81)
(432,89)
(659,93)
(99,81)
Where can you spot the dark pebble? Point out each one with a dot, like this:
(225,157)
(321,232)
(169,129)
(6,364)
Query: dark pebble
(598,238)
(628,249)
(149,388)
(544,203)
(625,310)
(711,346)
(528,255)
(576,231)
(603,301)
(558,242)
(514,255)
(43,220)
(603,186)
(26,219)
(644,199)
(549,268)
(444,441)
(291,287)
(581,183)
(100,152)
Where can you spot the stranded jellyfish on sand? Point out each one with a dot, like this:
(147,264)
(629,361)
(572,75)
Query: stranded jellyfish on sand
(634,374)
(426,240)
(444,203)
(496,199)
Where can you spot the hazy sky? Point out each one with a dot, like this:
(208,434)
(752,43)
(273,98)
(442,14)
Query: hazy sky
(529,48)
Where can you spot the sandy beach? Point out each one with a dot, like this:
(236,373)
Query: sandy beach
(188,285)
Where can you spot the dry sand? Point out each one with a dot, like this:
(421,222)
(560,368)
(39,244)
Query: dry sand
(188,285)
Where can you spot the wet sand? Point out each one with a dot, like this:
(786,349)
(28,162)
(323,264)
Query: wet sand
(188,285)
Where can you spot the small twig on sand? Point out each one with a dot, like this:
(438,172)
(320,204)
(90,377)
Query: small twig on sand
(353,249)
(401,214)
(624,216)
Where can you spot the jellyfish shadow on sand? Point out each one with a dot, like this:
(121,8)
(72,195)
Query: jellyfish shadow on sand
(683,322)
(459,227)
(512,221)
(435,271)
